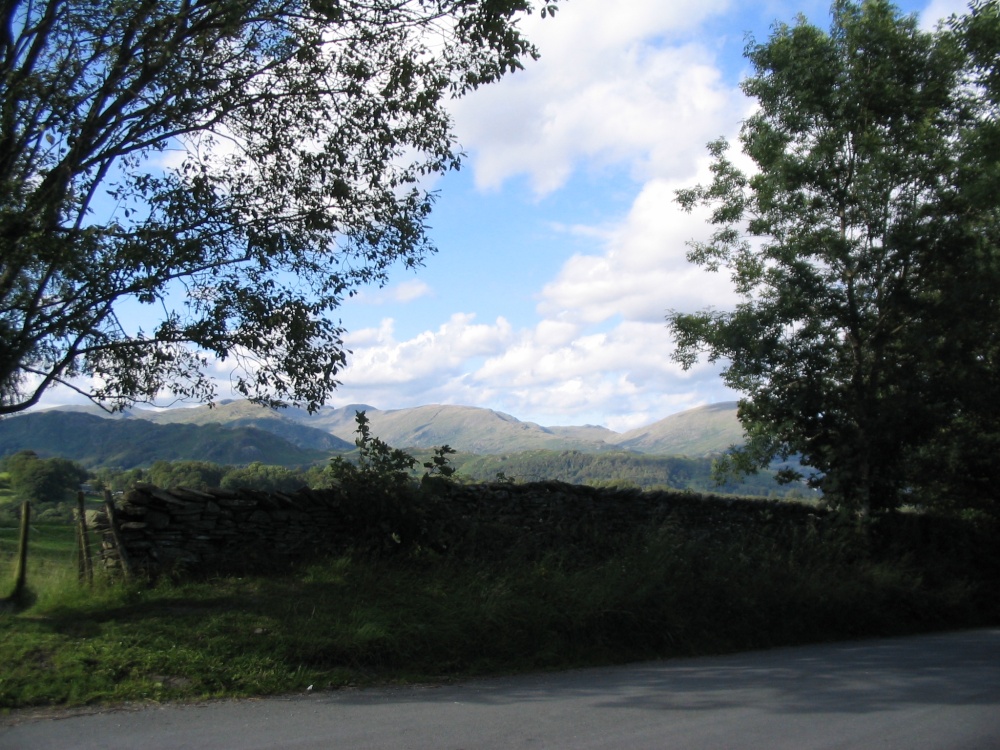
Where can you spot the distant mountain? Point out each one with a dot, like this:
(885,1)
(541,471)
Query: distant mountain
(703,431)
(244,414)
(696,432)
(337,421)
(129,442)
(588,433)
(699,432)
(465,428)
(621,468)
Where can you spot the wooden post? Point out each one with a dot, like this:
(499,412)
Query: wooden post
(81,566)
(83,537)
(21,573)
(113,525)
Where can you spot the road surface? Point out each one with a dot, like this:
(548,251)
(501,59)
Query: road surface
(927,692)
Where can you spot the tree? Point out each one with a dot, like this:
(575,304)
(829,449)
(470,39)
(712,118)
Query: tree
(116,479)
(849,245)
(195,475)
(258,476)
(43,480)
(234,169)
(956,467)
(379,469)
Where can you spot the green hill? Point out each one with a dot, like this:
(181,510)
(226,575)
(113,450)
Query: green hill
(619,468)
(245,414)
(467,428)
(700,432)
(126,443)
(703,431)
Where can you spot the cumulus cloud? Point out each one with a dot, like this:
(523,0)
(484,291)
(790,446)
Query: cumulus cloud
(625,90)
(550,373)
(379,359)
(642,271)
(608,89)
(624,87)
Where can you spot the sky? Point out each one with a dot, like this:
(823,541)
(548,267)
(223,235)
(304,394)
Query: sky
(560,247)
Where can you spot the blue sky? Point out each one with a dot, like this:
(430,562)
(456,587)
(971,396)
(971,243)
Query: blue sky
(560,248)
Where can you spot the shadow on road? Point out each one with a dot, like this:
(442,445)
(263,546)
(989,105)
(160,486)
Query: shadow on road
(861,677)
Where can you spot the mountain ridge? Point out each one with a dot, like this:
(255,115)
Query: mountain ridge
(702,431)
(126,443)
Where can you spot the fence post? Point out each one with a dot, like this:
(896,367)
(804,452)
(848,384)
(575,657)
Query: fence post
(86,564)
(21,572)
(109,504)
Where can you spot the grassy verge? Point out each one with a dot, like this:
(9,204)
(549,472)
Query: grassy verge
(357,620)
(51,563)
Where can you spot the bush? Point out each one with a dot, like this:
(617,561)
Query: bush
(380,493)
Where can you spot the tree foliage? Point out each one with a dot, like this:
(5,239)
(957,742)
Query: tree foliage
(379,470)
(43,480)
(264,478)
(196,475)
(229,170)
(863,244)
(620,469)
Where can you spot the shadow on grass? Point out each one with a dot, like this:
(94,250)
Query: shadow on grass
(19,601)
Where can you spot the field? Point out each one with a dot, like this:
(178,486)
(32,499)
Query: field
(6,496)
(357,620)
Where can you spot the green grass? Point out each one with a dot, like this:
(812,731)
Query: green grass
(6,494)
(357,620)
(51,562)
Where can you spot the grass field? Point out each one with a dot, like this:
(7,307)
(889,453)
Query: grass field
(355,620)
(6,495)
(51,562)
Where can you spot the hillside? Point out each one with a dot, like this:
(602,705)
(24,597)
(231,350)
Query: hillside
(621,468)
(126,442)
(245,414)
(703,431)
(466,428)
(300,437)
(675,451)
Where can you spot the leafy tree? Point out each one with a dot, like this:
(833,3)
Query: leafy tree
(196,475)
(116,479)
(853,243)
(378,470)
(237,168)
(258,476)
(956,467)
(43,480)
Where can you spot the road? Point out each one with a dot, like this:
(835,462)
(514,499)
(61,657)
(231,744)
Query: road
(927,692)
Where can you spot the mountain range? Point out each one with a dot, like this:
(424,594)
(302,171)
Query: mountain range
(238,432)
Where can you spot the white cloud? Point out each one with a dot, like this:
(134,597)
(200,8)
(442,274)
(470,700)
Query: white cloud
(616,86)
(643,270)
(938,10)
(379,359)
(622,378)
(612,88)
(608,89)
(406,291)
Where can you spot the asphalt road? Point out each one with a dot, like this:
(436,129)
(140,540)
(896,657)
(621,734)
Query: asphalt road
(928,692)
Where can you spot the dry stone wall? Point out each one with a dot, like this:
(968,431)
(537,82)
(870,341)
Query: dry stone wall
(153,531)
